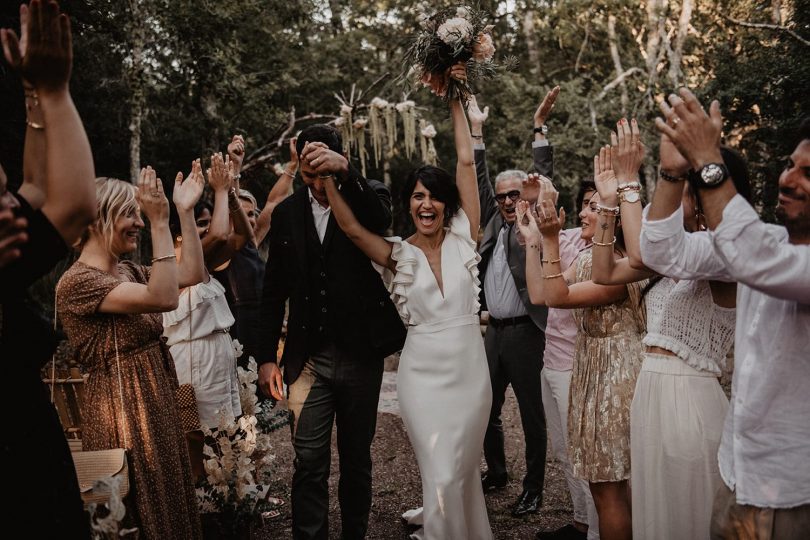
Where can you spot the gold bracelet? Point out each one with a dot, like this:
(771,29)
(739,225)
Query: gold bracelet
(550,262)
(605,243)
(164,258)
(291,175)
(552,276)
(34,125)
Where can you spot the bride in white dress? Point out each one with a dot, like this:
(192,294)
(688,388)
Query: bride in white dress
(443,381)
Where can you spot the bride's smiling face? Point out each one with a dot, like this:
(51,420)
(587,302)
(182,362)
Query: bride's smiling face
(427,212)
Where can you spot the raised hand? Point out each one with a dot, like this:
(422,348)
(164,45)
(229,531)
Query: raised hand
(324,161)
(187,193)
(604,176)
(546,106)
(627,151)
(236,151)
(526,223)
(150,197)
(549,221)
(695,133)
(671,160)
(476,116)
(218,175)
(44,55)
(547,190)
(294,151)
(458,71)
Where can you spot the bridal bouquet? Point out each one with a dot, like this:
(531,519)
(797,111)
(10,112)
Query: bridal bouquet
(446,37)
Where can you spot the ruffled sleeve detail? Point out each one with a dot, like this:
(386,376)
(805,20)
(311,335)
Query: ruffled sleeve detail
(398,283)
(200,293)
(460,228)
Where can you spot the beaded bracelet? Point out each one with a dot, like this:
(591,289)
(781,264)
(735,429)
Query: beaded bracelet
(164,258)
(627,186)
(607,209)
(552,276)
(671,178)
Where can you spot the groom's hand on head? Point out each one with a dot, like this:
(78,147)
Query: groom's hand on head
(325,161)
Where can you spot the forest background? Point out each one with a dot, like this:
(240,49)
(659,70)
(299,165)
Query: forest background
(162,82)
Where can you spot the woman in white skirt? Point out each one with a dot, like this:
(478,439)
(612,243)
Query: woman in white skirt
(678,408)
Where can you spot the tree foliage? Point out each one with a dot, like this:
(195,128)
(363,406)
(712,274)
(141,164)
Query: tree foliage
(207,69)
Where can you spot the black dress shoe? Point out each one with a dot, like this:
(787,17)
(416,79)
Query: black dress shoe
(569,532)
(491,482)
(528,503)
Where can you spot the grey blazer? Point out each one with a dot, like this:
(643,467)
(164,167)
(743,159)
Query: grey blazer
(492,221)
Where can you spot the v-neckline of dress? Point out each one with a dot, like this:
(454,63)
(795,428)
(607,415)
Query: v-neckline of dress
(441,262)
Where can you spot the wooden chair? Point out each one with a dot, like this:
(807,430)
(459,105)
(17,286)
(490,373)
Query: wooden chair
(68,396)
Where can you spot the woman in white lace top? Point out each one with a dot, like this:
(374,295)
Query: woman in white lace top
(678,408)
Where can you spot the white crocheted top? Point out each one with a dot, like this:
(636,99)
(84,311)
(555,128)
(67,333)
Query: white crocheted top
(683,318)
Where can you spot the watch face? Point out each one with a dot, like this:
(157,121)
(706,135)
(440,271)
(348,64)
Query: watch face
(631,196)
(712,174)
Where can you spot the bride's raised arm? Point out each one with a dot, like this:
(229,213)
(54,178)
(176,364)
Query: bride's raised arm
(377,248)
(466,178)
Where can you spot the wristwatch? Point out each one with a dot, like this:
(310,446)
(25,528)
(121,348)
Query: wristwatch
(542,129)
(630,196)
(710,175)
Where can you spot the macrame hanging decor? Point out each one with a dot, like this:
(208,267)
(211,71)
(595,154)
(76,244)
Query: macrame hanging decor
(376,110)
(345,124)
(427,132)
(391,124)
(360,141)
(407,110)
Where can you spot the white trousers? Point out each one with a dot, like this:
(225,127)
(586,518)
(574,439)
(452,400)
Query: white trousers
(555,387)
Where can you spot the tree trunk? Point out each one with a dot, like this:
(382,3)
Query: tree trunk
(336,8)
(530,34)
(676,51)
(776,11)
(135,73)
(656,34)
(617,60)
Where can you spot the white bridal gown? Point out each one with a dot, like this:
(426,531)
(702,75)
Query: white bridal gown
(443,382)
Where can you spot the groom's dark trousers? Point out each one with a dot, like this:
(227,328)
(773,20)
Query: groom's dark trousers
(341,325)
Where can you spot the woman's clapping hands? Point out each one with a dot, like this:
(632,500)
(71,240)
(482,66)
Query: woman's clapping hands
(187,193)
(151,198)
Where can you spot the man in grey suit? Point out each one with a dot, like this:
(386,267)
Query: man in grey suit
(515,337)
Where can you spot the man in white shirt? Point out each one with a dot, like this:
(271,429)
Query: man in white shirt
(764,453)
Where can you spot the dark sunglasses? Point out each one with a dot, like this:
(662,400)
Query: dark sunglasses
(501,197)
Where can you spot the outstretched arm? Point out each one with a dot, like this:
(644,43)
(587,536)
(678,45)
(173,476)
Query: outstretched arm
(281,190)
(486,193)
(466,178)
(44,60)
(558,291)
(190,267)
(374,246)
(607,269)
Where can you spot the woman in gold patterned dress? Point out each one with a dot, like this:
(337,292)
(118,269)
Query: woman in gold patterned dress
(110,311)
(607,359)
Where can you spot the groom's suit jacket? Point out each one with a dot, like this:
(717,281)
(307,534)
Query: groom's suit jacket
(492,221)
(334,292)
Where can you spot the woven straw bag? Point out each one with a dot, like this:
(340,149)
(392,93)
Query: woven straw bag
(94,465)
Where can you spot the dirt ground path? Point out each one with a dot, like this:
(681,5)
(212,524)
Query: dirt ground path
(397,487)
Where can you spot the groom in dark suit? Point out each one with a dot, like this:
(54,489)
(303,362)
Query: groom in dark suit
(341,325)
(515,337)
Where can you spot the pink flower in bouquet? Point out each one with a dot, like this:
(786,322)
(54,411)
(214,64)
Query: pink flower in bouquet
(483,48)
(437,83)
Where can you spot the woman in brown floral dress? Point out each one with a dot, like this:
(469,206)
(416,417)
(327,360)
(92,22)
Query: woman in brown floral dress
(607,359)
(110,311)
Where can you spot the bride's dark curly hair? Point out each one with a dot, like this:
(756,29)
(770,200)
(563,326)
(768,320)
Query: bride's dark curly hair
(440,183)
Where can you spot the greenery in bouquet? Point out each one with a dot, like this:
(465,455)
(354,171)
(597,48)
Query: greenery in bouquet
(238,457)
(446,37)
